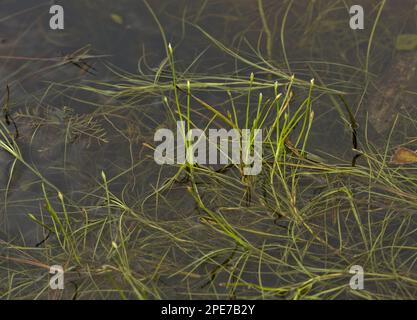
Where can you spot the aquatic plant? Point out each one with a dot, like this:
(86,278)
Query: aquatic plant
(134,229)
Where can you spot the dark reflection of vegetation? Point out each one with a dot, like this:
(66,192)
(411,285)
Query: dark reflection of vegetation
(82,182)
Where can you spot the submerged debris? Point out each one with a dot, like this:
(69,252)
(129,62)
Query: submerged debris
(390,97)
(6,113)
(403,156)
(64,120)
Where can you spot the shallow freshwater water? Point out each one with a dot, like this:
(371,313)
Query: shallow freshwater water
(125,32)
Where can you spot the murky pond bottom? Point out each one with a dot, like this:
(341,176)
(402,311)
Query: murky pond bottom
(81,188)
